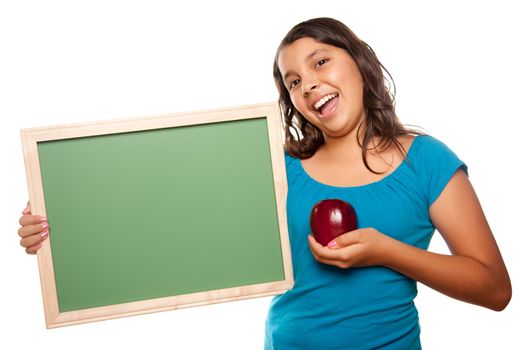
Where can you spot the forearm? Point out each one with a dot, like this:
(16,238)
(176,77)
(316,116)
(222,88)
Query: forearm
(459,277)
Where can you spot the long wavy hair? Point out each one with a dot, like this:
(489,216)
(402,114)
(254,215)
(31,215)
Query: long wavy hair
(303,139)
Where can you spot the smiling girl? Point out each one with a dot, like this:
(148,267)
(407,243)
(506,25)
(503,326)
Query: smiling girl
(344,140)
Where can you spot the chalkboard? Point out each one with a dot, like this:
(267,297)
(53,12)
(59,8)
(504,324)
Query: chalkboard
(159,213)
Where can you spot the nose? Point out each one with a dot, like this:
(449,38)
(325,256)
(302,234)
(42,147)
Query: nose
(308,85)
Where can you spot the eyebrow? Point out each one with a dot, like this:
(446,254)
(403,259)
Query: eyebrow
(314,53)
(308,57)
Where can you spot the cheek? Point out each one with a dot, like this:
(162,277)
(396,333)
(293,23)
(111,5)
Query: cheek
(299,103)
(349,79)
(301,107)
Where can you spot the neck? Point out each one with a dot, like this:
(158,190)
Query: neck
(347,146)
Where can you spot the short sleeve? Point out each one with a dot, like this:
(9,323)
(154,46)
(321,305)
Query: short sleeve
(288,158)
(292,168)
(438,164)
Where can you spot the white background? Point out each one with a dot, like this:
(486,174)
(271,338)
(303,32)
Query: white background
(458,71)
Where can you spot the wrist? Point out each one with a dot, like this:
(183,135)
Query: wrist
(388,250)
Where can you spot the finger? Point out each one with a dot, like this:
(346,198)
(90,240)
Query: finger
(27,209)
(31,230)
(315,246)
(342,258)
(322,254)
(32,250)
(344,240)
(33,240)
(31,220)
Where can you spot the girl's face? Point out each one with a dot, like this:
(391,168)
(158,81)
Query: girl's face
(325,86)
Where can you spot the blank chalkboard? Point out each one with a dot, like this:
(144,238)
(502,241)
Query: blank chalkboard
(158,213)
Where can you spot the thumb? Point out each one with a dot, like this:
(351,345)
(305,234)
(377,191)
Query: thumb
(27,209)
(344,240)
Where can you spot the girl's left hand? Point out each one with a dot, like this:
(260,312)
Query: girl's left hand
(361,247)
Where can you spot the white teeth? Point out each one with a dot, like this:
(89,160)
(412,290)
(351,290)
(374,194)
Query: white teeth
(323,101)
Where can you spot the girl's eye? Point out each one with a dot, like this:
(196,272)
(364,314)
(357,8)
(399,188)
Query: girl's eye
(321,62)
(293,83)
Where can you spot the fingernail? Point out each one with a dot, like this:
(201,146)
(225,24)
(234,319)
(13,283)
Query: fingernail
(44,234)
(332,244)
(43,218)
(45,225)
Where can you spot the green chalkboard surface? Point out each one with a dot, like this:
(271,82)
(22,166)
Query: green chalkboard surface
(149,214)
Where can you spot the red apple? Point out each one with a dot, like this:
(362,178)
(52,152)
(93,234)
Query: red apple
(330,218)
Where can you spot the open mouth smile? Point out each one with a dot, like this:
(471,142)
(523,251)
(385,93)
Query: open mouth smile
(326,105)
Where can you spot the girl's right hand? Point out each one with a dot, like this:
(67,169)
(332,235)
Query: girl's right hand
(33,230)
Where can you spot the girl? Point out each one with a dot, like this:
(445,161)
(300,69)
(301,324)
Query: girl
(344,140)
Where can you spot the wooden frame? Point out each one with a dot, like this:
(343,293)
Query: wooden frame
(31,139)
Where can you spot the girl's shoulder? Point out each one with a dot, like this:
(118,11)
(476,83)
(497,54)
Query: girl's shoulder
(434,163)
(292,163)
(426,147)
(289,158)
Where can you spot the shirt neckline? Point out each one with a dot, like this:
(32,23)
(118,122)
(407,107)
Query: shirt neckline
(382,180)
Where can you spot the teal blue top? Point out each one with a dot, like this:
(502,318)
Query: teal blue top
(368,307)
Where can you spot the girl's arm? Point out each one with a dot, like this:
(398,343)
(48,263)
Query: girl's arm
(474,272)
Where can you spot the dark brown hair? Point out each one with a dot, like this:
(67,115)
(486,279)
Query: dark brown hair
(302,139)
